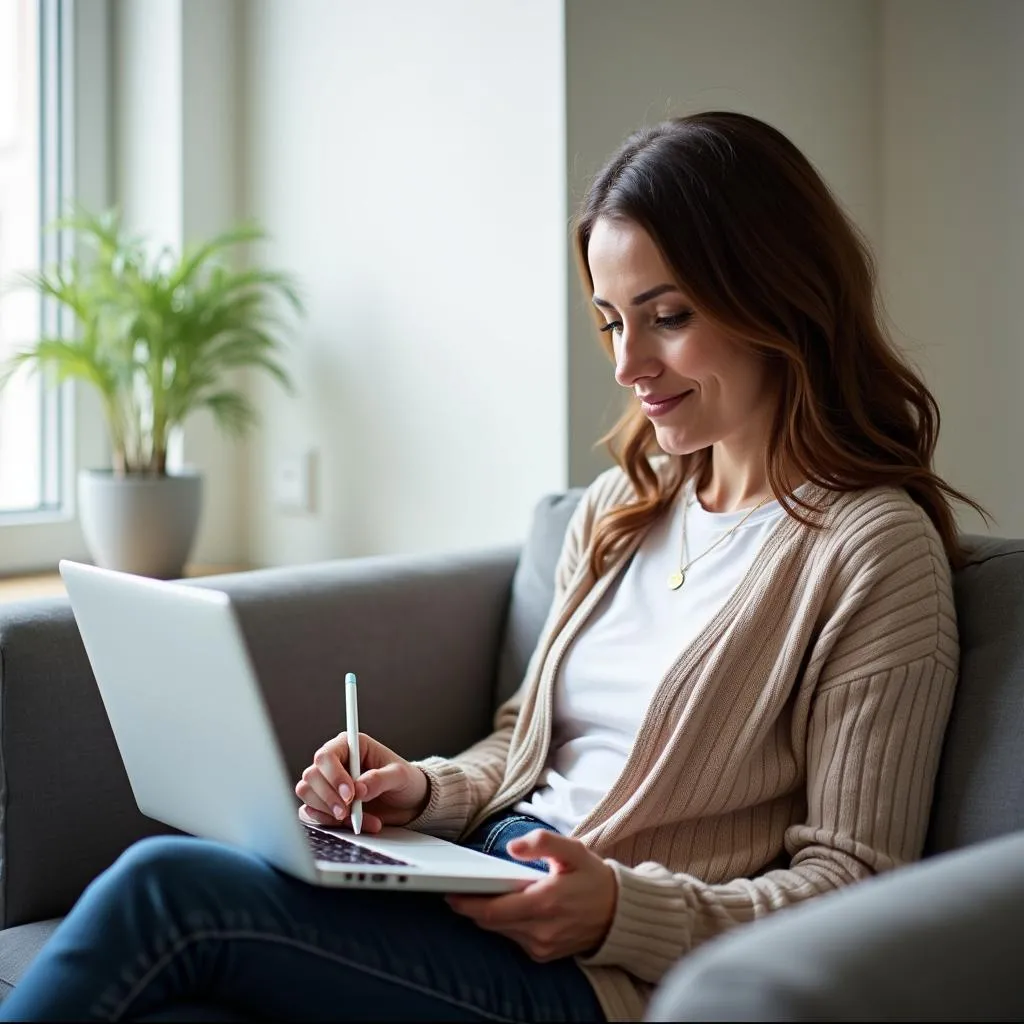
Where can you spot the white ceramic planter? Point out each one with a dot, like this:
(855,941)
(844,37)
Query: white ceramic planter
(140,524)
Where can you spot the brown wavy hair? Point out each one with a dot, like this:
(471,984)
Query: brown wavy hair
(763,249)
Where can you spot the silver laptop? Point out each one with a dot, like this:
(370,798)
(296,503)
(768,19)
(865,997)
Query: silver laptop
(195,736)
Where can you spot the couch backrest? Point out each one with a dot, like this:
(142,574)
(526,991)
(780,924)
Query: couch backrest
(979,792)
(980,786)
(533,588)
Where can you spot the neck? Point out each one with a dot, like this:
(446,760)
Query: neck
(732,482)
(736,473)
(737,470)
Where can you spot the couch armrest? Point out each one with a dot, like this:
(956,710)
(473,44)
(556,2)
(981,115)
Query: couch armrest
(938,940)
(422,632)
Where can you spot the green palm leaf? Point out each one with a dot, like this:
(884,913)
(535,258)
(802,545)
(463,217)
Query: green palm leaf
(231,410)
(157,333)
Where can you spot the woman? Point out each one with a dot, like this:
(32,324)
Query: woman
(738,699)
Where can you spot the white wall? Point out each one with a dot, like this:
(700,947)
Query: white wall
(417,166)
(176,149)
(148,117)
(210,172)
(408,159)
(953,230)
(808,67)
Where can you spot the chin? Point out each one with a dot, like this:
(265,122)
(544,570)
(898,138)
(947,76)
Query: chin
(672,442)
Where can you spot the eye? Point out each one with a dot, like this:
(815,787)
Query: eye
(675,321)
(615,326)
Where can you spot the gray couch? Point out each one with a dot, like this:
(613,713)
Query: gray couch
(438,641)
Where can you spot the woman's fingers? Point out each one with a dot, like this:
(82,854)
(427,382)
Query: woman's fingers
(378,781)
(316,817)
(325,796)
(371,823)
(304,791)
(327,787)
(328,759)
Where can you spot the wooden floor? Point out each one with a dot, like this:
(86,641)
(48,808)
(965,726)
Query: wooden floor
(49,584)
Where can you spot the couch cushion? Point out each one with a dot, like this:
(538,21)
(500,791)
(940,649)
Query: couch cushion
(533,588)
(980,786)
(18,947)
(53,841)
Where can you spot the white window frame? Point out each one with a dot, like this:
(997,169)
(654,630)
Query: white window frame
(36,540)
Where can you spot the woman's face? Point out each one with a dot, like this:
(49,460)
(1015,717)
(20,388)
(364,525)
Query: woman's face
(696,385)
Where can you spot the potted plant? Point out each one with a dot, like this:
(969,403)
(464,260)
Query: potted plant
(157,336)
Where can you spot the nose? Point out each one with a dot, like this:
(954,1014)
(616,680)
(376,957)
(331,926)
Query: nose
(633,359)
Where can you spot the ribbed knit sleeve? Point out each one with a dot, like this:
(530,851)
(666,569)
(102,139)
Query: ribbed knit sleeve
(461,785)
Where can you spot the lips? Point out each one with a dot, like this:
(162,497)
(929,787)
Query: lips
(659,405)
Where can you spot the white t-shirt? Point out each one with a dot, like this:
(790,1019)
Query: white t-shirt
(637,631)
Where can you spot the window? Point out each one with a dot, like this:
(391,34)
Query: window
(55,112)
(31,173)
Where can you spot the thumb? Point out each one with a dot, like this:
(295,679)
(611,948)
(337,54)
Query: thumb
(542,844)
(380,780)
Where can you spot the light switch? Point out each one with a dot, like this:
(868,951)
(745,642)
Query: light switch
(293,482)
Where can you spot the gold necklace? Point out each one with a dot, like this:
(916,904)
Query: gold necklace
(678,578)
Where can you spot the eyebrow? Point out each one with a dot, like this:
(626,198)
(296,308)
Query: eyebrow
(638,300)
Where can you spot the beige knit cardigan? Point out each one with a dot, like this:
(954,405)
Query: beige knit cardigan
(791,748)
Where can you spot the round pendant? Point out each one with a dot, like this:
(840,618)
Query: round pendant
(676,580)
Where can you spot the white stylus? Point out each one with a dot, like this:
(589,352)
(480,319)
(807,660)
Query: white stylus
(352,724)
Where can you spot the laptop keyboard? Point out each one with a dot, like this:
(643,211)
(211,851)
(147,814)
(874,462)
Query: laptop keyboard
(327,846)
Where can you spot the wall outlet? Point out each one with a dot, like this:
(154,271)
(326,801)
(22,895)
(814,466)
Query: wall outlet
(293,482)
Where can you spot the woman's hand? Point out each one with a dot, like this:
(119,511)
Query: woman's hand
(393,791)
(568,912)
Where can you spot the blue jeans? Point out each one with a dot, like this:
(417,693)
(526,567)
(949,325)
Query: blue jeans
(182,928)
